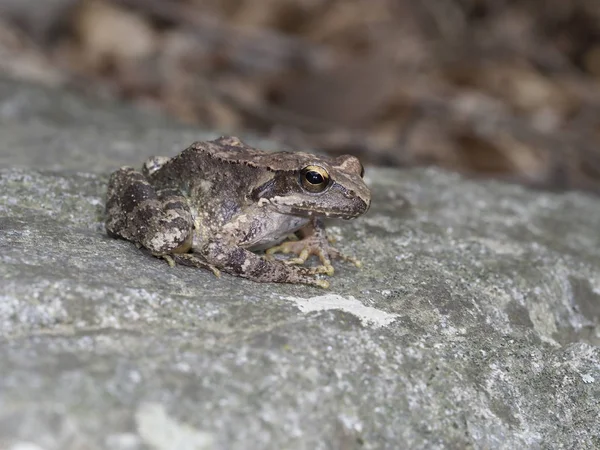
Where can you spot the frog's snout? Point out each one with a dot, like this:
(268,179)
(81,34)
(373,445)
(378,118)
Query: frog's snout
(356,207)
(360,205)
(367,206)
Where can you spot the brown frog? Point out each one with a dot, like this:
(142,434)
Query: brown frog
(217,202)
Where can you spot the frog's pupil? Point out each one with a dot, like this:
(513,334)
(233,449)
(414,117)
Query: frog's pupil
(314,177)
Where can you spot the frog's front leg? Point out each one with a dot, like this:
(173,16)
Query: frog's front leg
(160,221)
(244,263)
(313,241)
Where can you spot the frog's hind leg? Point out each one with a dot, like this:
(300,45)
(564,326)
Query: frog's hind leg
(244,263)
(160,221)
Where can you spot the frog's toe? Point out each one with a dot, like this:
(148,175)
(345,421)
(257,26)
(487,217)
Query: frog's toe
(322,283)
(317,282)
(352,260)
(303,249)
(336,254)
(214,270)
(327,269)
(170,261)
(285,248)
(295,261)
(307,247)
(324,269)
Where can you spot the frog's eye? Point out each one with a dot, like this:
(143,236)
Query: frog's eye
(314,178)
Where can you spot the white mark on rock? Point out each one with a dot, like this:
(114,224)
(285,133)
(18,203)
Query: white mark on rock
(123,441)
(587,378)
(161,432)
(368,315)
(25,446)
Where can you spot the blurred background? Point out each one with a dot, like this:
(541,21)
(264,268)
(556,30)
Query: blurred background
(508,89)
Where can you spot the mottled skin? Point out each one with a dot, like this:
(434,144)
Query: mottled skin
(216,202)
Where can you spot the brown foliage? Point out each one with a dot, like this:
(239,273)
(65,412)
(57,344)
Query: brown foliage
(505,89)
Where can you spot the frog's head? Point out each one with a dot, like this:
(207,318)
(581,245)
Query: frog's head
(317,186)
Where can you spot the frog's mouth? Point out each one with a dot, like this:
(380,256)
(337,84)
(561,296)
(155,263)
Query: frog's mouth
(358,208)
(330,214)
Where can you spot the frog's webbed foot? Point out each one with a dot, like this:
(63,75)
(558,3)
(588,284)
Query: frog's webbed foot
(313,242)
(304,248)
(192,260)
(337,254)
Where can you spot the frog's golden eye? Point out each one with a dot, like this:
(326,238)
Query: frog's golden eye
(314,178)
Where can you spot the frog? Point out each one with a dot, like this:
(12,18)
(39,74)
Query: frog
(225,206)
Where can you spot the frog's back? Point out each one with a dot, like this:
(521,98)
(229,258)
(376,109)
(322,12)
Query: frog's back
(216,180)
(233,151)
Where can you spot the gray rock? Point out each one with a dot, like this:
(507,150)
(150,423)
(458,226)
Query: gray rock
(474,323)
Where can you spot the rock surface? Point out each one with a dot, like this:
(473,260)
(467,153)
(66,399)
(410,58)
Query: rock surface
(473,324)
